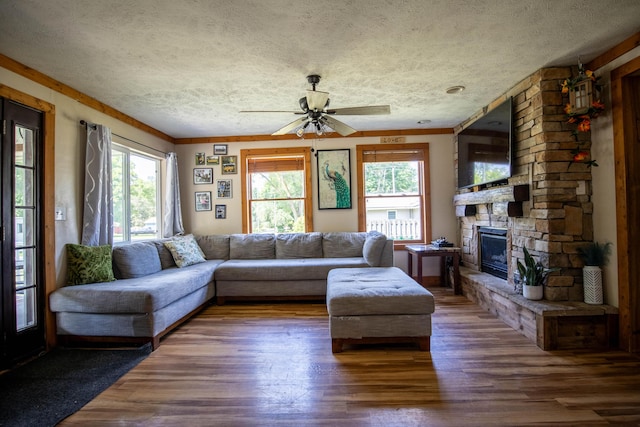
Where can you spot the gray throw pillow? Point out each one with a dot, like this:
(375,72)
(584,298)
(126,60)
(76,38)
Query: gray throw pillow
(373,248)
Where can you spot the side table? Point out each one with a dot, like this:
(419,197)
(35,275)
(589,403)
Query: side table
(421,251)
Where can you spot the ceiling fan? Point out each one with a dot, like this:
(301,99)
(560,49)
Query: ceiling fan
(317,114)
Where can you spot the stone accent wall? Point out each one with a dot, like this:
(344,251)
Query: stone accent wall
(558,217)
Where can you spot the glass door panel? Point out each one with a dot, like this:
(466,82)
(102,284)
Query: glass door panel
(24,218)
(22,290)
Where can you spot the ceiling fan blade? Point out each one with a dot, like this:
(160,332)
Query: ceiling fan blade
(291,126)
(272,111)
(337,125)
(361,111)
(317,100)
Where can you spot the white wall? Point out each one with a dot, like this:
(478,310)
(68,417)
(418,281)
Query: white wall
(69,155)
(604,188)
(443,220)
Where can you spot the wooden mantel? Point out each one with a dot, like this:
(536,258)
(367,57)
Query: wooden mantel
(513,195)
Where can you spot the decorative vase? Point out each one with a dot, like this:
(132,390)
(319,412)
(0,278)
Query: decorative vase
(592,284)
(533,292)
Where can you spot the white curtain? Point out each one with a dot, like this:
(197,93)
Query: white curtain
(97,221)
(172,214)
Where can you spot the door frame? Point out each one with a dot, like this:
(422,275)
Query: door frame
(625,142)
(48,198)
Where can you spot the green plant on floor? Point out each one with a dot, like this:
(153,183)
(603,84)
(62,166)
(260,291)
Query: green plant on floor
(595,254)
(532,272)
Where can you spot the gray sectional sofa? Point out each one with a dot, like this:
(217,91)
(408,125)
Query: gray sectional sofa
(151,295)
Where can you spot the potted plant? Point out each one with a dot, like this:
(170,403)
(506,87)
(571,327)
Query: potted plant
(533,275)
(595,256)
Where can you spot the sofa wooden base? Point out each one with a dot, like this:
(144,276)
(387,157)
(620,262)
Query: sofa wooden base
(91,341)
(423,343)
(223,300)
(70,340)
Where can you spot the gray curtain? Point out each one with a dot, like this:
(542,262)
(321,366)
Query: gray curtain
(97,221)
(172,224)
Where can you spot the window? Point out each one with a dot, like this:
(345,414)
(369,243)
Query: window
(393,192)
(276,190)
(136,195)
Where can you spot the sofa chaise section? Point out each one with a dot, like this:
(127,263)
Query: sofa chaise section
(144,303)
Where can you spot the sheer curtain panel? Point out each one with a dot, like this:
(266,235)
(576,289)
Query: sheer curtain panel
(97,221)
(172,210)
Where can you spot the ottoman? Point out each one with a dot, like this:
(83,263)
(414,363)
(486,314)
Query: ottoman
(377,305)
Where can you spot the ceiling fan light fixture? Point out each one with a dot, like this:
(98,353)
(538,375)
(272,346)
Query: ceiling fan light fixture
(455,89)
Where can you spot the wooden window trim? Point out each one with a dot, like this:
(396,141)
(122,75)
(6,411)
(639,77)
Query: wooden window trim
(246,156)
(396,152)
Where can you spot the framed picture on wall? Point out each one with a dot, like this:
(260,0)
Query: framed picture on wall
(224,188)
(200,159)
(334,179)
(229,165)
(203,176)
(203,201)
(220,149)
(221,211)
(213,160)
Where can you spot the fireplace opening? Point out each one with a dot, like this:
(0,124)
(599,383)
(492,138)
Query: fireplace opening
(493,251)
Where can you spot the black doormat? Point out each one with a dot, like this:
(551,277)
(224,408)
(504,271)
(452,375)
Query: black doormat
(46,390)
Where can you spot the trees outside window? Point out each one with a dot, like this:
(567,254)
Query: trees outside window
(393,193)
(136,195)
(276,190)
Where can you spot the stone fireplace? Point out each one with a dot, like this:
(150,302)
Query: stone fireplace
(546,205)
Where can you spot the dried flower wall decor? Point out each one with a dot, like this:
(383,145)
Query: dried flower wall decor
(583,107)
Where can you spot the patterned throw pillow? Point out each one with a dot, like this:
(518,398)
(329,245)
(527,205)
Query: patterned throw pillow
(88,264)
(185,251)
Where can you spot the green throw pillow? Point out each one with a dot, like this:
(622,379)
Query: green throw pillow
(89,264)
(185,251)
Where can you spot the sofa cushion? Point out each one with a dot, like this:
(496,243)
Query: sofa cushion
(89,264)
(299,245)
(185,251)
(140,295)
(376,291)
(252,246)
(135,260)
(373,248)
(276,270)
(166,259)
(343,244)
(214,246)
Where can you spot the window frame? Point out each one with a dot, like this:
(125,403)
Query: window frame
(248,154)
(126,228)
(425,194)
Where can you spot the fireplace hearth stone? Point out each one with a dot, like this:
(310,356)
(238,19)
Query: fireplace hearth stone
(552,325)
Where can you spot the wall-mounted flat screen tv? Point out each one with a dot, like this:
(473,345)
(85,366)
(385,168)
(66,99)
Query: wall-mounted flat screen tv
(484,148)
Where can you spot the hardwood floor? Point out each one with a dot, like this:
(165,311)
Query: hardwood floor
(271,364)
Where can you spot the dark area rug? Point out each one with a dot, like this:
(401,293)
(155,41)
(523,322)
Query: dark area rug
(46,390)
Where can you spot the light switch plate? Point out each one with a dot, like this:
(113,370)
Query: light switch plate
(61,213)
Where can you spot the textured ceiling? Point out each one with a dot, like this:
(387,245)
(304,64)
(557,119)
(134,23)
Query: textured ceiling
(187,67)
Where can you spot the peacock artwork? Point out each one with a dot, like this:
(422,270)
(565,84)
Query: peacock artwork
(334,179)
